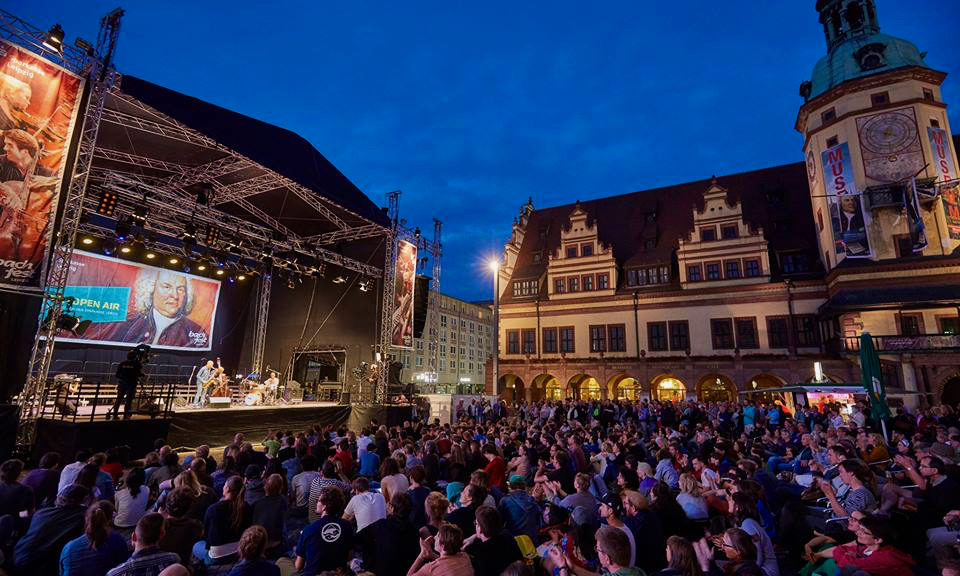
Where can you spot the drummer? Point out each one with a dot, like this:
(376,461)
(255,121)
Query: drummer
(270,387)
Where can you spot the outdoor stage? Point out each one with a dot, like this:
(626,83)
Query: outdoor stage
(190,427)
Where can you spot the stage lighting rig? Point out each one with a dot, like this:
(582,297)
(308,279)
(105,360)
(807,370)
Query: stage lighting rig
(84,45)
(108,203)
(339,279)
(109,247)
(54,39)
(204,193)
(212,235)
(139,215)
(366,285)
(122,230)
(67,320)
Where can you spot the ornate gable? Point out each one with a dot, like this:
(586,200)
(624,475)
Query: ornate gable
(722,248)
(582,263)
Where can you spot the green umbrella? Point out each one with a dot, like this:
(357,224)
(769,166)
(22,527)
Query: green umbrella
(872,381)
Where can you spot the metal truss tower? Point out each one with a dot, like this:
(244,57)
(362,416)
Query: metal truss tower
(386,301)
(96,67)
(260,328)
(433,333)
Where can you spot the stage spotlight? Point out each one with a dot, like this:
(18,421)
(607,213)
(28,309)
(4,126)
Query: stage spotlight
(365,285)
(126,249)
(220,272)
(416,232)
(54,39)
(87,240)
(140,215)
(173,260)
(212,235)
(109,247)
(339,280)
(108,203)
(242,277)
(202,267)
(84,45)
(290,283)
(122,230)
(150,255)
(231,279)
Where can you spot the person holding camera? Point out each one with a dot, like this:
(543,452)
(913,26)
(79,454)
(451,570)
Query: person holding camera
(128,375)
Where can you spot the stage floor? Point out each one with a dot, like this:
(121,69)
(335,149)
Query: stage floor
(99,413)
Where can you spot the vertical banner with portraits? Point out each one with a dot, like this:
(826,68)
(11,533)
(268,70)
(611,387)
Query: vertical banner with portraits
(39,104)
(947,173)
(848,218)
(403,284)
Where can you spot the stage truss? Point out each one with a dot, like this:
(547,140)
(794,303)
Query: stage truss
(260,244)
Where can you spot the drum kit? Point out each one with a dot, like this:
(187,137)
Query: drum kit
(256,393)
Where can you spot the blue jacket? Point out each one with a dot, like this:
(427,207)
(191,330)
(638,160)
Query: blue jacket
(521,514)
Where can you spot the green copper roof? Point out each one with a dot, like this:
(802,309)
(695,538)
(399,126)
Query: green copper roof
(842,63)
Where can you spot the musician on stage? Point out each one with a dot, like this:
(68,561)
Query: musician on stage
(204,375)
(14,99)
(272,384)
(218,384)
(128,374)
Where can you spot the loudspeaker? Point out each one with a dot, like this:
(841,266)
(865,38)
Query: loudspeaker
(219,402)
(421,297)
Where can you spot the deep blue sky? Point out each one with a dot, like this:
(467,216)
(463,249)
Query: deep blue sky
(470,108)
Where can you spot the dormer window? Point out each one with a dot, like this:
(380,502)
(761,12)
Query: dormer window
(871,57)
(708,234)
(571,251)
(586,250)
(729,232)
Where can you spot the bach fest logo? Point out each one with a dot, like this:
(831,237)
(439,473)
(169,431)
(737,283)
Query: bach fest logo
(198,339)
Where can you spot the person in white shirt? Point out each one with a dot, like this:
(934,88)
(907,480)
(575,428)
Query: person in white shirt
(132,501)
(365,506)
(300,485)
(71,471)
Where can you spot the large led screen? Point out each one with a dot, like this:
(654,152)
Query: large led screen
(132,303)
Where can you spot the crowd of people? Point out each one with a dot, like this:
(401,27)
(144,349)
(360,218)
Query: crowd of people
(572,488)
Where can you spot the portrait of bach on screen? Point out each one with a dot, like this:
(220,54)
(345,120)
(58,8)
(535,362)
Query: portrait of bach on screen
(130,303)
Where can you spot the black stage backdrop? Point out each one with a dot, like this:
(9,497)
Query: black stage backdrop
(8,430)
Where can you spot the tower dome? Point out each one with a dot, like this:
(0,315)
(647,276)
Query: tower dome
(855,46)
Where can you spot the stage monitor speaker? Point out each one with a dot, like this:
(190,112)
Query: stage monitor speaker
(421,297)
(219,402)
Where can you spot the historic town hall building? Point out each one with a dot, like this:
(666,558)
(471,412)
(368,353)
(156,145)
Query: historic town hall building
(742,282)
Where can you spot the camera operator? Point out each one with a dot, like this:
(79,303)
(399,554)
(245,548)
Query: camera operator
(128,375)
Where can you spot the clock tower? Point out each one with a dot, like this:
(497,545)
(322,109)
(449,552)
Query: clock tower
(877,143)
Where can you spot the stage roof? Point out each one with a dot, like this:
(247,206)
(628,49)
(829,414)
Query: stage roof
(267,184)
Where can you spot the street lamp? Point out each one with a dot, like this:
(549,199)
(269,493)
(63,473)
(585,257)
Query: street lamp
(495,268)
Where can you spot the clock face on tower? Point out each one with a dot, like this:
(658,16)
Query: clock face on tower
(890,145)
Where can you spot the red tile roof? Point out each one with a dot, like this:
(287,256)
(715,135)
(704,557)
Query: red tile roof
(776,199)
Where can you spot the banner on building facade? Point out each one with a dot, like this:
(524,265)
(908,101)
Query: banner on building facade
(947,173)
(911,203)
(39,103)
(403,286)
(890,146)
(132,303)
(849,220)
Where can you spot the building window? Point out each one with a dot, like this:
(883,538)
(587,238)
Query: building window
(657,336)
(537,257)
(746,333)
(949,324)
(832,141)
(752,268)
(694,273)
(828,115)
(573,284)
(529,339)
(879,99)
(453,364)
(713,271)
(708,234)
(587,283)
(419,361)
(513,341)
(586,249)
(721,332)
(679,336)
(733,268)
(806,331)
(603,281)
(443,320)
(778,333)
(650,243)
(934,123)
(571,251)
(617,337)
(928,94)
(664,274)
(567,342)
(911,324)
(598,338)
(559,286)
(635,278)
(794,262)
(525,287)
(820,219)
(550,340)
(729,232)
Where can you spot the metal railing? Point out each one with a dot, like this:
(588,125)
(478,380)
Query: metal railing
(899,343)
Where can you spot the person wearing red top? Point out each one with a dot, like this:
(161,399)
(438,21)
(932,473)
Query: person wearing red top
(873,551)
(496,467)
(344,457)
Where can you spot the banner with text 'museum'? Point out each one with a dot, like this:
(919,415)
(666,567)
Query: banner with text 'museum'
(39,103)
(130,303)
(848,218)
(946,172)
(404,282)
